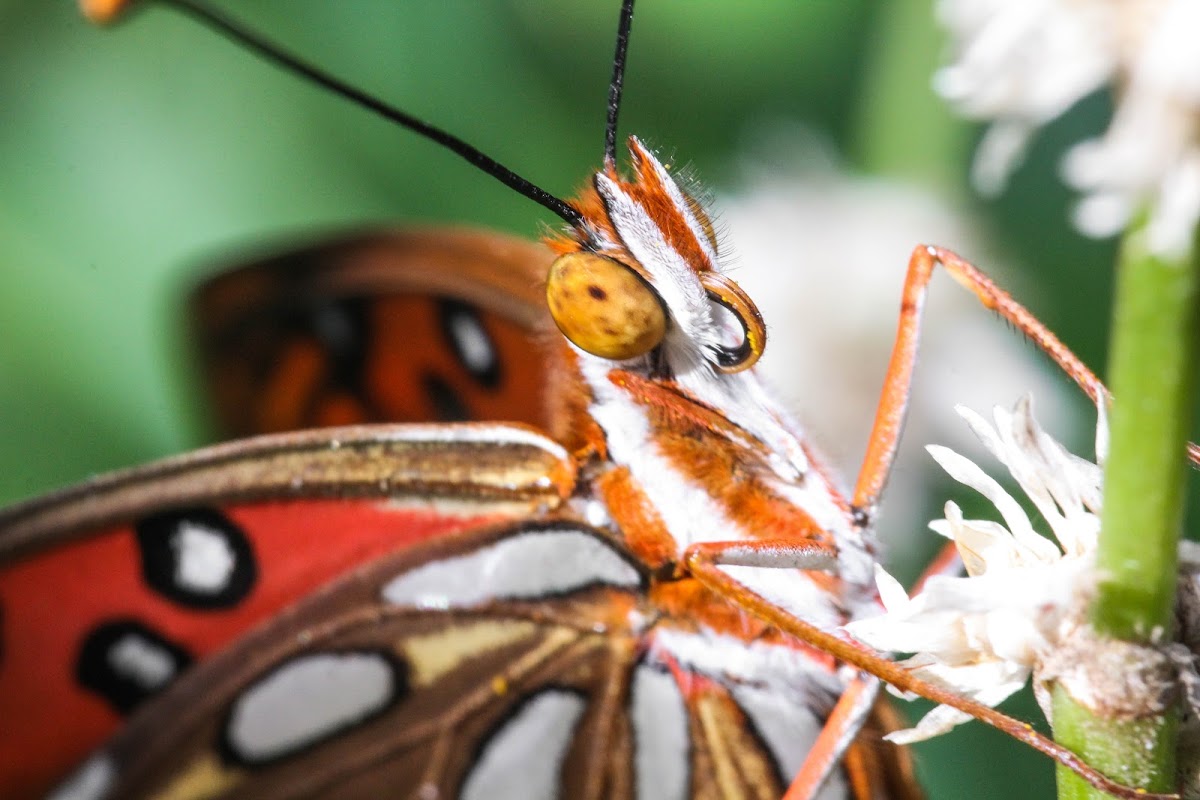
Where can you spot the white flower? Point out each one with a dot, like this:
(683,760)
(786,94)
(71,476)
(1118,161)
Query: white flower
(984,635)
(1021,63)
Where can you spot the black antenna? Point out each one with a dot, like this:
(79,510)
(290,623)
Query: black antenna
(271,52)
(617,83)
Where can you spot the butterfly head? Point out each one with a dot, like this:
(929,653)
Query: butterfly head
(640,280)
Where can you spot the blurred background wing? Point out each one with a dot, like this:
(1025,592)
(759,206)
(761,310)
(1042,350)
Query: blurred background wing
(405,326)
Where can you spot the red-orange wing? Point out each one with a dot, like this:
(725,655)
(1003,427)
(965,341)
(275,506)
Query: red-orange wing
(512,662)
(110,590)
(412,326)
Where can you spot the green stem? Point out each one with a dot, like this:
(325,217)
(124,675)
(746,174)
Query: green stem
(1138,753)
(1153,368)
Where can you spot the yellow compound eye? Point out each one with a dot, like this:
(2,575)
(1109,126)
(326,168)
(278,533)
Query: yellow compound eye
(604,307)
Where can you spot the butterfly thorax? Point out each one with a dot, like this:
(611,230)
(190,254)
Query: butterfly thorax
(685,449)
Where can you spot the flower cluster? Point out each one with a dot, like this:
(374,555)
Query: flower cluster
(984,635)
(1020,63)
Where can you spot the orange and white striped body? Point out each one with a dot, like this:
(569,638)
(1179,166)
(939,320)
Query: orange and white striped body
(693,453)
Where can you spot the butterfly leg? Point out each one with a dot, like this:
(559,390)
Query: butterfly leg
(704,562)
(889,415)
(947,562)
(849,715)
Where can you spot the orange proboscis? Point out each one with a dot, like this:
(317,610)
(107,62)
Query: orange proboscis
(737,302)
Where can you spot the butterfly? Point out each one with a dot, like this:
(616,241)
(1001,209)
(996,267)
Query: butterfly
(568,608)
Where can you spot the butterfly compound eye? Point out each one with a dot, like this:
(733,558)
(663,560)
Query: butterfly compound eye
(604,307)
(729,295)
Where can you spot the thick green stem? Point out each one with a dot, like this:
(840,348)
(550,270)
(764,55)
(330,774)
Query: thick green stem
(1153,368)
(1138,753)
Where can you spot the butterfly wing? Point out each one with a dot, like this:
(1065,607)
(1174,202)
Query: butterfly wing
(505,662)
(385,654)
(406,326)
(412,326)
(403,674)
(109,590)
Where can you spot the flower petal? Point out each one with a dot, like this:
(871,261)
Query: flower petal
(891,593)
(941,719)
(982,544)
(966,472)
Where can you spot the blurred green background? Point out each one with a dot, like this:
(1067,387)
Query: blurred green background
(132,160)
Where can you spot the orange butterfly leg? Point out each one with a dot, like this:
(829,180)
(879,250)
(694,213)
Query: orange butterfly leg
(703,561)
(834,742)
(875,769)
(946,562)
(893,401)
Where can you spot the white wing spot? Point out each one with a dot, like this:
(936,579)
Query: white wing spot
(142,661)
(90,782)
(204,561)
(473,344)
(523,760)
(660,736)
(524,566)
(306,700)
